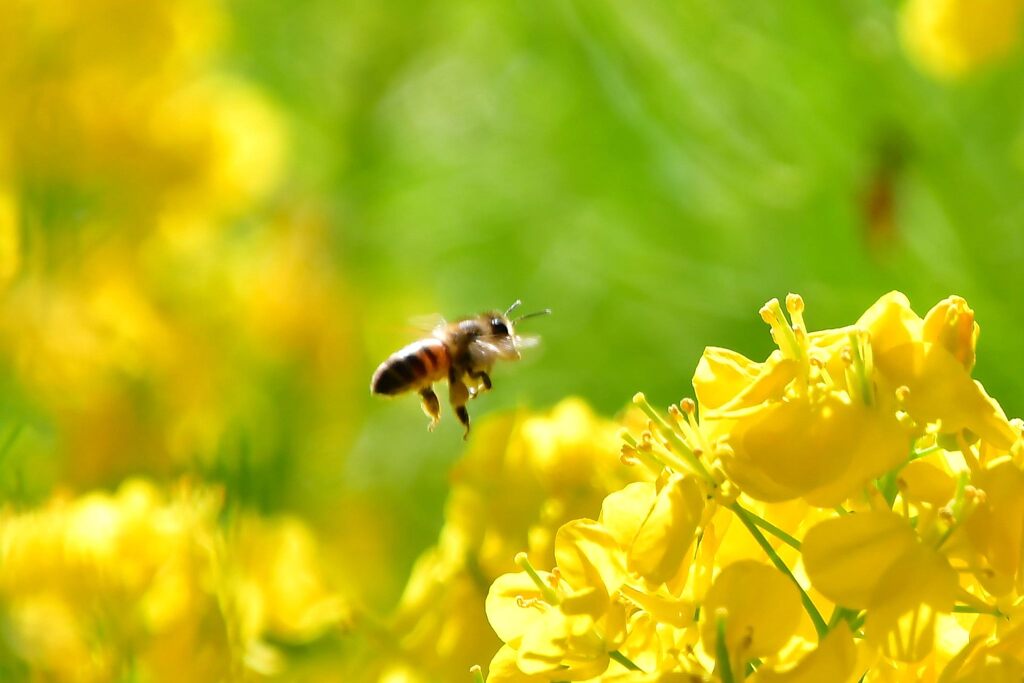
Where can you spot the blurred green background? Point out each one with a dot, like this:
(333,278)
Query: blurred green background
(653,172)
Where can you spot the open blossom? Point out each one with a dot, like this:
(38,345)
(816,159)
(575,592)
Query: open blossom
(564,623)
(806,422)
(932,359)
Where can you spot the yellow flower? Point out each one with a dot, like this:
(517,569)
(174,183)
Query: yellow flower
(834,660)
(151,581)
(656,523)
(951,38)
(916,548)
(819,448)
(565,623)
(10,237)
(995,529)
(759,610)
(120,118)
(933,358)
(804,423)
(988,660)
(285,596)
(440,622)
(138,140)
(523,477)
(873,561)
(118,574)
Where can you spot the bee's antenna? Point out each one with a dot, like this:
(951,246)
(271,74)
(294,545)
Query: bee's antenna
(516,304)
(546,311)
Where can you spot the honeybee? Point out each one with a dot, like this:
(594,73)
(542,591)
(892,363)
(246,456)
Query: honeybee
(463,352)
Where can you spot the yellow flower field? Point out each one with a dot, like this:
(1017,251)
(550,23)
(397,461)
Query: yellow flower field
(218,218)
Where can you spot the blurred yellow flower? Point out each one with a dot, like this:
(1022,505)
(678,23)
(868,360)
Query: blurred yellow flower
(151,582)
(143,321)
(10,237)
(952,38)
(131,111)
(524,475)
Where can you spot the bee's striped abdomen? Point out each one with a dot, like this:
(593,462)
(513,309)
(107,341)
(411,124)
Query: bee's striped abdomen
(417,365)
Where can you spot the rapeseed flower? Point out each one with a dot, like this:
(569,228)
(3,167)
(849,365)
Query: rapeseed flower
(859,470)
(524,476)
(807,422)
(150,581)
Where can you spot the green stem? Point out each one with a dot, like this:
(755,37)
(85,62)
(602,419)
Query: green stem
(819,623)
(967,609)
(923,452)
(722,663)
(771,528)
(841,614)
(887,486)
(478,675)
(624,660)
(860,369)
(857,623)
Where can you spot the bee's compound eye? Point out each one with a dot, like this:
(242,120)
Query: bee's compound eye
(498,326)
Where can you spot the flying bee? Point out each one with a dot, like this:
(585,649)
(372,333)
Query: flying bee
(463,352)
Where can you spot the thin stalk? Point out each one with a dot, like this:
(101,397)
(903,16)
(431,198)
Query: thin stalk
(819,623)
(722,664)
(624,660)
(772,529)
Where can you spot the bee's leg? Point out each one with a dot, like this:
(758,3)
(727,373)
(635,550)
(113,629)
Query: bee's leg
(431,406)
(463,415)
(481,375)
(458,394)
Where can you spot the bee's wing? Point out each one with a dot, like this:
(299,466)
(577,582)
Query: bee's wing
(527,342)
(427,323)
(486,350)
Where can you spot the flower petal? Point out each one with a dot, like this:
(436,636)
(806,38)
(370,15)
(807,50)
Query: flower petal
(846,557)
(661,542)
(514,604)
(762,608)
(622,512)
(833,660)
(587,555)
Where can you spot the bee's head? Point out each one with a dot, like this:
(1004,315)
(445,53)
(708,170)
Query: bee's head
(499,332)
(503,326)
(500,325)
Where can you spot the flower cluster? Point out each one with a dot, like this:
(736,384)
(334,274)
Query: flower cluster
(155,299)
(524,476)
(157,585)
(849,509)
